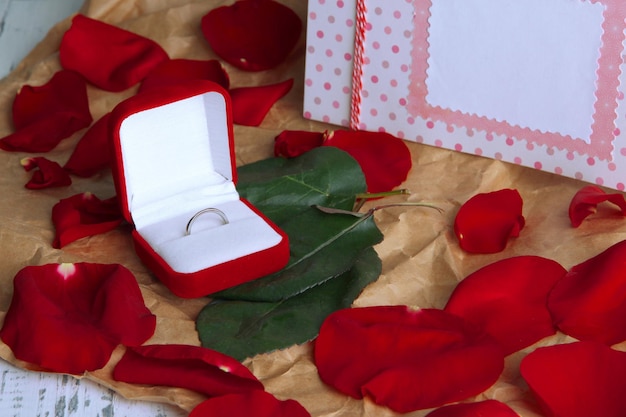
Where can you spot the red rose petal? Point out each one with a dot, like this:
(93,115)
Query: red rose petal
(486,221)
(47,114)
(586,200)
(253,35)
(508,299)
(47,174)
(380,351)
(292,143)
(579,379)
(70,317)
(199,369)
(111,58)
(251,104)
(92,153)
(488,408)
(83,215)
(65,92)
(176,70)
(384,159)
(253,403)
(589,302)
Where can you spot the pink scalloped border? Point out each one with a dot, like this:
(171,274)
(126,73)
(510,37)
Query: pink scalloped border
(607,91)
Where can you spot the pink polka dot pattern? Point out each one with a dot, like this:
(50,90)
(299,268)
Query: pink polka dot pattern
(328,69)
(387,76)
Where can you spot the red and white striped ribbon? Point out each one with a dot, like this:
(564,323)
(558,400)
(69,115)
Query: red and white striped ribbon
(357,69)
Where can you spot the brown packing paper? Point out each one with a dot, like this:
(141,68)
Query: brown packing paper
(422,261)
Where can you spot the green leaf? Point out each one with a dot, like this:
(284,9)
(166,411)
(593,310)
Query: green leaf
(331,260)
(243,329)
(281,188)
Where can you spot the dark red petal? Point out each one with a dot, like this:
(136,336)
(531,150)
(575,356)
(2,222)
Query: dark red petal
(70,317)
(486,221)
(589,302)
(586,200)
(176,70)
(579,379)
(65,92)
(251,104)
(199,369)
(380,351)
(253,403)
(508,299)
(487,408)
(292,143)
(111,58)
(252,35)
(92,153)
(47,114)
(83,215)
(47,173)
(384,159)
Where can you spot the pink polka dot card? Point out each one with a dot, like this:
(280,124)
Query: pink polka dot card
(536,83)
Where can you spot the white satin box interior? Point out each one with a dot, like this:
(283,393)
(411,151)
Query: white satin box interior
(175,174)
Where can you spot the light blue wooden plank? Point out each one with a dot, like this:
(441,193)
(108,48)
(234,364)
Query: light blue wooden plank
(24,23)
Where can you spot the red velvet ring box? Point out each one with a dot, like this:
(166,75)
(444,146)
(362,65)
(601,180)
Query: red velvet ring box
(174,157)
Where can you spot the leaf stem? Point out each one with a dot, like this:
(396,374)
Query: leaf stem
(402,191)
(427,205)
(361,198)
(371,211)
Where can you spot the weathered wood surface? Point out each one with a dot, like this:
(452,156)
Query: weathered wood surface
(35,394)
(23,23)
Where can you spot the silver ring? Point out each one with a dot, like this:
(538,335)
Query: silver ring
(205,211)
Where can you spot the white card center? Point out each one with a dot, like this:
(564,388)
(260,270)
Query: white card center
(528,63)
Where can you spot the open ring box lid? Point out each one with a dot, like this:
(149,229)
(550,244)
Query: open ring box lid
(173,157)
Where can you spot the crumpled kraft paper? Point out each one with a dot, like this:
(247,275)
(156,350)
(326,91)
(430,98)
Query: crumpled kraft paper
(422,261)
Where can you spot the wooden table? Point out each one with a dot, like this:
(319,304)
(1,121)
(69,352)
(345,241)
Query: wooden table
(31,394)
